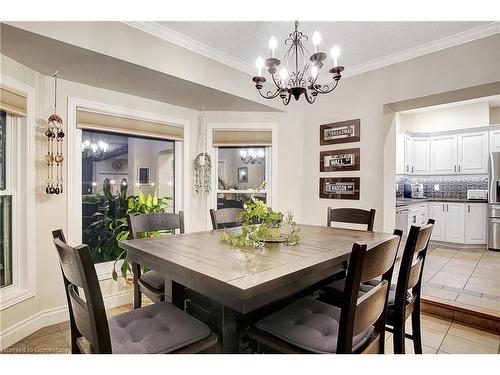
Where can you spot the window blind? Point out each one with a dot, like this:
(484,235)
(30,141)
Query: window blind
(225,137)
(88,120)
(13,102)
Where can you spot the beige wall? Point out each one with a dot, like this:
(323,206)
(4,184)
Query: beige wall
(463,116)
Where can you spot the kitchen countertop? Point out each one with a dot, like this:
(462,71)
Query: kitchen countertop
(402,202)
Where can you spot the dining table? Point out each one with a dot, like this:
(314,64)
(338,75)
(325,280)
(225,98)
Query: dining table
(243,284)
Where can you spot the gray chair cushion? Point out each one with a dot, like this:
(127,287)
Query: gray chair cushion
(334,291)
(158,328)
(311,325)
(155,279)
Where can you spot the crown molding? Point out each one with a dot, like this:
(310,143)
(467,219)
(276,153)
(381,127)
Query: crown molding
(191,44)
(184,41)
(425,49)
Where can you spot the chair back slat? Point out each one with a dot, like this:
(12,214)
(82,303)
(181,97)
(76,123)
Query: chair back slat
(87,316)
(423,238)
(377,262)
(81,313)
(414,274)
(369,307)
(360,313)
(155,222)
(352,216)
(225,217)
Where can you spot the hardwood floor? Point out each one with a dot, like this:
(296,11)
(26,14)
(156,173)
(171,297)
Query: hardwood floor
(440,336)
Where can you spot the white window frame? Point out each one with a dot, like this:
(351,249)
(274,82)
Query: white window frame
(271,163)
(20,184)
(74,159)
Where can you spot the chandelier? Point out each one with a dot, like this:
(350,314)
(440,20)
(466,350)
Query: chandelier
(297,75)
(252,156)
(94,149)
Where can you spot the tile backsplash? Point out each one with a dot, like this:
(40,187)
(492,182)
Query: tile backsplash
(453,187)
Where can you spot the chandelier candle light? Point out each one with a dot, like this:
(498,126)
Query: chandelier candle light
(297,76)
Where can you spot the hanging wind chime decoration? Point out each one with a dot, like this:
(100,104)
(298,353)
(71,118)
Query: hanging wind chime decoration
(202,164)
(54,157)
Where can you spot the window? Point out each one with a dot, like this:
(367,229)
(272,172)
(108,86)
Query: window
(114,168)
(241,171)
(6,198)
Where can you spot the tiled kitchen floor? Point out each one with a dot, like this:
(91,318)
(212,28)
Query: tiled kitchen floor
(439,336)
(468,277)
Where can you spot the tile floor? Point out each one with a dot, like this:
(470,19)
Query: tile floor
(440,336)
(469,277)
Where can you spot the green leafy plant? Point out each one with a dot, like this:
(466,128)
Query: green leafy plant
(142,204)
(259,223)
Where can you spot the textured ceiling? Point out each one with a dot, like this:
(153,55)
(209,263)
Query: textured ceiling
(360,42)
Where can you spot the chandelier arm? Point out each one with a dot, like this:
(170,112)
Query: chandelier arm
(319,91)
(286,100)
(311,99)
(269,95)
(275,82)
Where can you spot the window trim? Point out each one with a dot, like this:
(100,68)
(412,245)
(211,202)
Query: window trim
(271,162)
(74,160)
(20,178)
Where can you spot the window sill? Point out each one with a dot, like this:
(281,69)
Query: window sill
(13,294)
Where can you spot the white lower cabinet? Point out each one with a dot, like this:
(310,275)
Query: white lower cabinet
(475,223)
(437,211)
(464,223)
(455,222)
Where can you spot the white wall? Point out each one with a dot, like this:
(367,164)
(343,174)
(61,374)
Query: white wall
(457,117)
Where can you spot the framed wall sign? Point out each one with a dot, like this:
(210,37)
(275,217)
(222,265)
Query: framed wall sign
(339,188)
(243,174)
(339,160)
(340,132)
(143,175)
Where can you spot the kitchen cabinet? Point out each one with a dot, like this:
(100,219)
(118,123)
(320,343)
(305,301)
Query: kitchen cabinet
(437,212)
(408,155)
(495,140)
(444,154)
(475,223)
(473,153)
(455,222)
(421,156)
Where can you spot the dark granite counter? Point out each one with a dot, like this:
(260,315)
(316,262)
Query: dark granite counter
(402,202)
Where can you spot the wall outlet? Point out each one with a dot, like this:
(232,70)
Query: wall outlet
(436,187)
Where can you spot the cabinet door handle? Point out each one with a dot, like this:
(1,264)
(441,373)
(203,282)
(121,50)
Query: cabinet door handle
(459,167)
(446,208)
(454,168)
(407,168)
(412,169)
(443,206)
(468,208)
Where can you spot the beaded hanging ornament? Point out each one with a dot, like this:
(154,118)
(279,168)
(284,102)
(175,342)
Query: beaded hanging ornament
(54,157)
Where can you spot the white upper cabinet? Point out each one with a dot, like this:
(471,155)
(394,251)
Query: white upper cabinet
(444,154)
(475,223)
(408,155)
(421,156)
(473,153)
(495,140)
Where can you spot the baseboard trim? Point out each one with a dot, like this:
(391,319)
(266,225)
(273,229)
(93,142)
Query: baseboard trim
(56,315)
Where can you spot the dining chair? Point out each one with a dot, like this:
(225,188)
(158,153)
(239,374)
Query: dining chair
(151,283)
(404,296)
(225,217)
(358,326)
(351,216)
(157,328)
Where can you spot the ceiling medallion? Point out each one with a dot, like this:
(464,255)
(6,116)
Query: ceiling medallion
(297,76)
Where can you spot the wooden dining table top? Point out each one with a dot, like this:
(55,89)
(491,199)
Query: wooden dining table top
(202,261)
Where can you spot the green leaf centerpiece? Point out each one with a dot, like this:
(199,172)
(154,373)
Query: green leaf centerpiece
(260,224)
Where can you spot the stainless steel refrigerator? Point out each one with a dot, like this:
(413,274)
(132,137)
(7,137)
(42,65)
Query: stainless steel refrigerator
(494,201)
